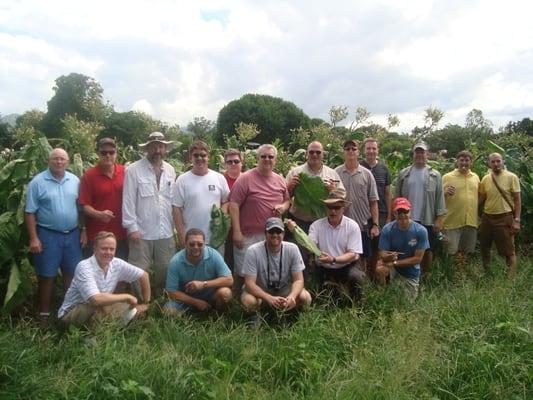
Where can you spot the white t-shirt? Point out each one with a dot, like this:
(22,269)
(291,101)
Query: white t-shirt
(196,194)
(336,241)
(267,270)
(89,280)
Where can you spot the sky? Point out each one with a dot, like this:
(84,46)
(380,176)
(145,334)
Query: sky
(177,60)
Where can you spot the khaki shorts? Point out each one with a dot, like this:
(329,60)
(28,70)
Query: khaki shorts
(463,239)
(238,254)
(410,285)
(83,313)
(497,228)
(145,253)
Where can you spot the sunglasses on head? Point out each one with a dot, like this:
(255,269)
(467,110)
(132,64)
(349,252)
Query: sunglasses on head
(107,152)
(275,231)
(269,156)
(233,162)
(315,152)
(200,155)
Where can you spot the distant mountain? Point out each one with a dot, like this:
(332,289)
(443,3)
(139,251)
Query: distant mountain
(10,119)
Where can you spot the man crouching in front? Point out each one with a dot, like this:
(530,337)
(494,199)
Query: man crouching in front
(273,273)
(90,295)
(198,279)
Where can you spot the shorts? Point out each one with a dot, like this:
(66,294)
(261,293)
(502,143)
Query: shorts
(463,239)
(205,294)
(59,250)
(144,253)
(366,243)
(410,285)
(432,237)
(497,228)
(238,254)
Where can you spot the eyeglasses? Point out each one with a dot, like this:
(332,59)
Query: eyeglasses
(107,152)
(351,148)
(195,244)
(334,207)
(199,155)
(233,162)
(275,231)
(313,152)
(269,156)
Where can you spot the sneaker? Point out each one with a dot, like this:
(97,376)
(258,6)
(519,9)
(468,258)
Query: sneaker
(254,322)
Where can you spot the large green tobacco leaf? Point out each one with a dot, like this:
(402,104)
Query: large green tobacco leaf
(9,236)
(219,226)
(308,195)
(14,282)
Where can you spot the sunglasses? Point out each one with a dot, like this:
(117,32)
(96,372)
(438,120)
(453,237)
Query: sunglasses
(233,162)
(195,244)
(315,152)
(334,207)
(275,231)
(200,155)
(107,152)
(269,156)
(351,148)
(402,211)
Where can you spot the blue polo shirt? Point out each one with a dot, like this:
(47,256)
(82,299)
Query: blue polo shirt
(54,202)
(181,271)
(392,238)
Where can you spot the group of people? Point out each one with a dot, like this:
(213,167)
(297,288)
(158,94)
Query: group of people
(117,224)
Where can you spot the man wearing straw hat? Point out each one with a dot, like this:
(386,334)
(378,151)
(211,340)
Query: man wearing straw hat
(339,239)
(147,209)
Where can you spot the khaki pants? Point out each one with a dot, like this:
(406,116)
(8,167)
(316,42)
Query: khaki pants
(83,313)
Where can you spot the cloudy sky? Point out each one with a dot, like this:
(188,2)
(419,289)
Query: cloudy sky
(180,59)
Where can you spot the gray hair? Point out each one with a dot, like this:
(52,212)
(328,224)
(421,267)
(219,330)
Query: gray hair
(264,147)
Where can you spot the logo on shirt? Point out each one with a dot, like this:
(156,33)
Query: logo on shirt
(211,188)
(412,242)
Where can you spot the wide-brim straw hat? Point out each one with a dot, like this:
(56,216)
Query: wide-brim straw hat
(336,196)
(156,137)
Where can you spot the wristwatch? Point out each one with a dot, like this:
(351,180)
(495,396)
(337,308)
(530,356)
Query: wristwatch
(517,220)
(334,261)
(395,263)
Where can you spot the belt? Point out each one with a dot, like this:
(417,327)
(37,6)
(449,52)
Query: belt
(498,215)
(65,232)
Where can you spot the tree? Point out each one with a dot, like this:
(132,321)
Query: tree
(524,126)
(201,127)
(452,138)
(274,117)
(6,139)
(130,128)
(75,94)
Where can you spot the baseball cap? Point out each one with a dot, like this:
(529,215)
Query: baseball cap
(421,145)
(274,222)
(106,140)
(401,203)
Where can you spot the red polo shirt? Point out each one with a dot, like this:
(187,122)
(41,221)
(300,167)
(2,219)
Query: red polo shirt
(103,193)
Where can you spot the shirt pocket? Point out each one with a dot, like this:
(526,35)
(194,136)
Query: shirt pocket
(146,188)
(165,188)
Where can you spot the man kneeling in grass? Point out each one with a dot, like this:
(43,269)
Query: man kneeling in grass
(401,248)
(90,296)
(197,278)
(273,272)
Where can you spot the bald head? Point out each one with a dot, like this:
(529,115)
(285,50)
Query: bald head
(315,155)
(58,162)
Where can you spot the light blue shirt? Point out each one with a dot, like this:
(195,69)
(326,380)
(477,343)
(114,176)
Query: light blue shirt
(181,271)
(54,202)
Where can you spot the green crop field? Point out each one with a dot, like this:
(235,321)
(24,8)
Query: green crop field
(465,338)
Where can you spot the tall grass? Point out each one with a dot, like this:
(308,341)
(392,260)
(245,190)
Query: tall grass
(462,339)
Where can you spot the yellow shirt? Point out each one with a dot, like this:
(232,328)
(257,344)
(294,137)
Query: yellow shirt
(495,204)
(462,206)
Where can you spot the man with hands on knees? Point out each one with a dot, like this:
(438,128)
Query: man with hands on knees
(273,272)
(91,294)
(401,249)
(197,278)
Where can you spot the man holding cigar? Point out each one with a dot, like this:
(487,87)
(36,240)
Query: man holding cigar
(461,198)
(401,248)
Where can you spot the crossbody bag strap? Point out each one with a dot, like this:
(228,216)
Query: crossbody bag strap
(501,192)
